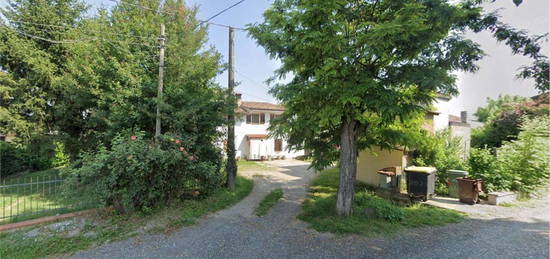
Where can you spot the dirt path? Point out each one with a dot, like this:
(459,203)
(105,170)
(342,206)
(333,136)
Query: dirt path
(237,233)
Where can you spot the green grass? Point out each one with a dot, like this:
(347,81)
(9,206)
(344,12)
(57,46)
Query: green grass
(507,204)
(384,217)
(27,199)
(245,165)
(109,227)
(268,202)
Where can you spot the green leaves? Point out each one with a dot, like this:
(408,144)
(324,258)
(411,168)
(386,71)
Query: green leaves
(102,78)
(519,165)
(376,62)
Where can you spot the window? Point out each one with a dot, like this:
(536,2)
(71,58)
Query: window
(255,118)
(278,145)
(273,116)
(2,138)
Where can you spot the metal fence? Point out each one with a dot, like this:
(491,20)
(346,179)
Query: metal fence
(31,197)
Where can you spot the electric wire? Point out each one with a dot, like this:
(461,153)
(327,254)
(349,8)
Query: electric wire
(63,26)
(223,11)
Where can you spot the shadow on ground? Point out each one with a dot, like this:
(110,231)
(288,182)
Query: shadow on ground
(236,233)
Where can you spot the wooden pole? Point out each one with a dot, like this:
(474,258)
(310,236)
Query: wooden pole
(161,80)
(231,163)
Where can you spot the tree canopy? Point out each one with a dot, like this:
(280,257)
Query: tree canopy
(494,107)
(361,68)
(505,117)
(84,79)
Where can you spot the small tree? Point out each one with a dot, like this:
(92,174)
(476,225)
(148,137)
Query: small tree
(503,121)
(494,107)
(360,66)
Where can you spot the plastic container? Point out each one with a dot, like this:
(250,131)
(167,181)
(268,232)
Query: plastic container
(453,184)
(420,182)
(468,190)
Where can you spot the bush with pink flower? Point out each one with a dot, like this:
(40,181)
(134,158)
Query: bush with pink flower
(137,173)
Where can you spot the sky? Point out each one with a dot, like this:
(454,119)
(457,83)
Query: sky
(496,74)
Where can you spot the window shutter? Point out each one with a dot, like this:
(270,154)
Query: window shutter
(248,119)
(278,145)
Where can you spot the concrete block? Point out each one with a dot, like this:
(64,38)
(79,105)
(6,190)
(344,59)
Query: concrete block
(496,198)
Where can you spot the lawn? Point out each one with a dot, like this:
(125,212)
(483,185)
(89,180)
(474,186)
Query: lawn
(108,227)
(371,215)
(245,165)
(32,195)
(269,201)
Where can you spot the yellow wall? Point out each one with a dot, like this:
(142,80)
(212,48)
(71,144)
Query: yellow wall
(370,161)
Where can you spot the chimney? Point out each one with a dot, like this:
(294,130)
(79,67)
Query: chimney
(238,97)
(464,116)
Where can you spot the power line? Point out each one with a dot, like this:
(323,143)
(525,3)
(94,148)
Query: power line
(50,40)
(145,8)
(222,11)
(251,80)
(63,26)
(207,21)
(72,41)
(225,26)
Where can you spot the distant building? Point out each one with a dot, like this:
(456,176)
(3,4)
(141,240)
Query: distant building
(252,140)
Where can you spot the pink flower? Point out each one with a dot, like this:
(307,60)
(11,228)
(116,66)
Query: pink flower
(195,193)
(192,158)
(182,149)
(133,137)
(178,141)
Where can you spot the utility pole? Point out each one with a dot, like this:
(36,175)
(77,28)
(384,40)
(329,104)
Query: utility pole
(161,79)
(231,166)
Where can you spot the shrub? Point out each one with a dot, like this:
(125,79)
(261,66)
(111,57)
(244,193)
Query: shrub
(60,157)
(381,208)
(36,154)
(524,162)
(13,159)
(135,174)
(442,151)
(520,165)
(482,165)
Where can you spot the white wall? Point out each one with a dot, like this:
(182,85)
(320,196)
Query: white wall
(443,107)
(242,144)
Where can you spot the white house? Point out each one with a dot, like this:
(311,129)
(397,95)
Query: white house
(252,140)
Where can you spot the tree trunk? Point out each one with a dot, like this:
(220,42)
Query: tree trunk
(348,167)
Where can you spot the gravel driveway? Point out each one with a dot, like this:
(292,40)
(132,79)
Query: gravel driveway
(236,233)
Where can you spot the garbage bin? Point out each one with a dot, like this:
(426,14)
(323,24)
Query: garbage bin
(389,178)
(420,182)
(468,190)
(453,185)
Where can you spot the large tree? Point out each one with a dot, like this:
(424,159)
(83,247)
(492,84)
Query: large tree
(33,66)
(357,67)
(89,78)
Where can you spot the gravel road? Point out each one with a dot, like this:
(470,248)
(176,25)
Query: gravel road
(237,233)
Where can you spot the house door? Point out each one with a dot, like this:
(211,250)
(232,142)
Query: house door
(258,149)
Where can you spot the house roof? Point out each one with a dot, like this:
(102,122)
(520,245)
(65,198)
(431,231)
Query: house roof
(261,106)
